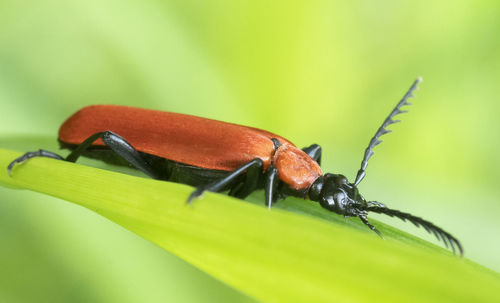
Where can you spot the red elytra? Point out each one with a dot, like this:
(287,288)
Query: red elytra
(196,141)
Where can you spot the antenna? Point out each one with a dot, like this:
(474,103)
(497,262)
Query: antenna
(383,130)
(440,234)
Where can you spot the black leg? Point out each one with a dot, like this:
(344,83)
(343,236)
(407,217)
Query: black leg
(252,180)
(112,140)
(120,146)
(365,221)
(29,155)
(272,178)
(222,183)
(314,151)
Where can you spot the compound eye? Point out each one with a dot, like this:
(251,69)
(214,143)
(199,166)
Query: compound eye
(341,180)
(330,201)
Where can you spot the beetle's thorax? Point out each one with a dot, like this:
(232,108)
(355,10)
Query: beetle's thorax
(295,167)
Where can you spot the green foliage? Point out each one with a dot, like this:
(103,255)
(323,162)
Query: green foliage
(323,72)
(273,256)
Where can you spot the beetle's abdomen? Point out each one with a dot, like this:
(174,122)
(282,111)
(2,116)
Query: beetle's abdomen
(191,140)
(295,167)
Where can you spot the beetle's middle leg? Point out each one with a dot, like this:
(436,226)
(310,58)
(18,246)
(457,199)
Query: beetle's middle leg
(222,183)
(253,178)
(314,151)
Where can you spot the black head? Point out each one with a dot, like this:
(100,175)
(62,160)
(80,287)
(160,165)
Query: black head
(336,194)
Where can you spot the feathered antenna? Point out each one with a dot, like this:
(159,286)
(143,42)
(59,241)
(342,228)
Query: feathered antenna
(383,130)
(417,221)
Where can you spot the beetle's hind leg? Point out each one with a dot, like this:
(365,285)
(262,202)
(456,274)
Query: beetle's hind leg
(314,151)
(120,146)
(224,182)
(115,142)
(29,155)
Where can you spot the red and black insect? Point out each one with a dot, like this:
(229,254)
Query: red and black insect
(217,156)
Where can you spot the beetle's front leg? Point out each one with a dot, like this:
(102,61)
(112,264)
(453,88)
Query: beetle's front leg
(272,178)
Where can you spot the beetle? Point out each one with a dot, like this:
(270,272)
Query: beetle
(218,156)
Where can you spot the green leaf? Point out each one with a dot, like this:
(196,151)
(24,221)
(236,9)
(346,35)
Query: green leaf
(274,256)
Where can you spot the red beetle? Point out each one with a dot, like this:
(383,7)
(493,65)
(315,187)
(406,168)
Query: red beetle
(218,156)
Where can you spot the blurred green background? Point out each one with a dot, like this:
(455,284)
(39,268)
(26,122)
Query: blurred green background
(315,72)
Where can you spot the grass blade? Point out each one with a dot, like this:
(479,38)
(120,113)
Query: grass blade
(273,256)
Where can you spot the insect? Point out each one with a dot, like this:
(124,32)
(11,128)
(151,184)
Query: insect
(217,156)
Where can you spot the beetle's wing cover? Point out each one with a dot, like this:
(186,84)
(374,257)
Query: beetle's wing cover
(182,138)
